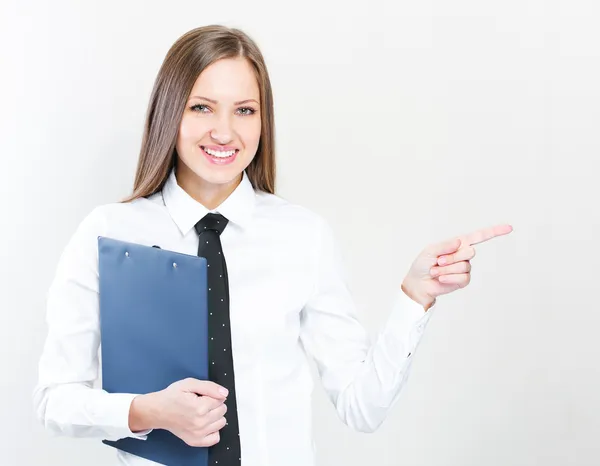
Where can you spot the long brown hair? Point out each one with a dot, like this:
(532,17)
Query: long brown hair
(186,59)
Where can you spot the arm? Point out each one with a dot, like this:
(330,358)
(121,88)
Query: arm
(363,379)
(64,398)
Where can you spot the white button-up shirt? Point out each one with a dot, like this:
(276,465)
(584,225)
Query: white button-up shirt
(288,300)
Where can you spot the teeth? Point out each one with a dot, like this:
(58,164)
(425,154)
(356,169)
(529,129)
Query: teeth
(222,154)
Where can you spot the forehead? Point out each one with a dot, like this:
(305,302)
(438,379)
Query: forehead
(229,79)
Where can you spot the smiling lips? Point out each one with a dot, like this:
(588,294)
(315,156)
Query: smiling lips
(219,157)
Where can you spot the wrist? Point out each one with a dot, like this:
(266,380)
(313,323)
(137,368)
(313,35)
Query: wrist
(421,298)
(144,413)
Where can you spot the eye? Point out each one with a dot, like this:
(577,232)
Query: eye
(196,108)
(250,110)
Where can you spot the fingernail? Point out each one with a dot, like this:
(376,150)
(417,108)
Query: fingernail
(433,272)
(223,391)
(442,261)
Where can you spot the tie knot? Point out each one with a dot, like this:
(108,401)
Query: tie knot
(211,221)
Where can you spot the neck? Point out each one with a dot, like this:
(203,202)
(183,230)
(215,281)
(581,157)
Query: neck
(210,195)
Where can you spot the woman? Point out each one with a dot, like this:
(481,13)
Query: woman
(208,152)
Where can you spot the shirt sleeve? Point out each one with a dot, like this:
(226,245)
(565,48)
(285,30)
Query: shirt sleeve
(65,399)
(362,378)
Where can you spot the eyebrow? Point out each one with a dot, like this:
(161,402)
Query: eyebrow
(215,102)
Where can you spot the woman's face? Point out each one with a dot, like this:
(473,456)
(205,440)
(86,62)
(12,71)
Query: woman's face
(221,125)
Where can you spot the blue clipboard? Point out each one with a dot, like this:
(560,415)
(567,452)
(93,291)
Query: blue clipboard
(153,323)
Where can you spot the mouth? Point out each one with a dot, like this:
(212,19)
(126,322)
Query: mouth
(220,157)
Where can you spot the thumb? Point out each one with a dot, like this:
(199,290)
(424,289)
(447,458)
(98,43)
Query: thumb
(446,247)
(205,388)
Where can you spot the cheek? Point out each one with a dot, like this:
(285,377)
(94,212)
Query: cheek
(188,131)
(252,134)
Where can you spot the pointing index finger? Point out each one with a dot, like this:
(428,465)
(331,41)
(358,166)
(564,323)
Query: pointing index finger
(486,234)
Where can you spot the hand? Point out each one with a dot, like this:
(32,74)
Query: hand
(194,419)
(445,267)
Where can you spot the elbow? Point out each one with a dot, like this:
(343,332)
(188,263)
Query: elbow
(363,419)
(365,426)
(40,397)
(40,401)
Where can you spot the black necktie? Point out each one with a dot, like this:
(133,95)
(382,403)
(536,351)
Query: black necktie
(227,451)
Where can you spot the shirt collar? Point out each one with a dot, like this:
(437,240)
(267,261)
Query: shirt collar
(186,211)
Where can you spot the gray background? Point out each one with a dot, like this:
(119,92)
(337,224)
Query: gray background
(429,118)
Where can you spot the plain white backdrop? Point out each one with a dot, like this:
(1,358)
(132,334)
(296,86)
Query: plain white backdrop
(404,123)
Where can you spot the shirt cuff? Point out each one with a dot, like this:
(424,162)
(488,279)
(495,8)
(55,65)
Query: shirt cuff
(405,327)
(116,413)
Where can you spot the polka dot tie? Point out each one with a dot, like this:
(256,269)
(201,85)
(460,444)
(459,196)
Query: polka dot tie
(227,451)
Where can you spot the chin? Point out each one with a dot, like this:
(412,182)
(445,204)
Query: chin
(218,175)
(221,178)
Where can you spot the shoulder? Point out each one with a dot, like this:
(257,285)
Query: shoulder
(110,219)
(101,218)
(286,213)
(301,225)
(113,218)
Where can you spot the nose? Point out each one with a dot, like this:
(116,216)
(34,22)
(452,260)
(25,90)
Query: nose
(222,132)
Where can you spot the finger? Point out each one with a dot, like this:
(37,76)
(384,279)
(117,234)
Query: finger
(207,441)
(205,387)
(216,426)
(459,267)
(216,414)
(486,234)
(461,279)
(207,403)
(465,254)
(446,247)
